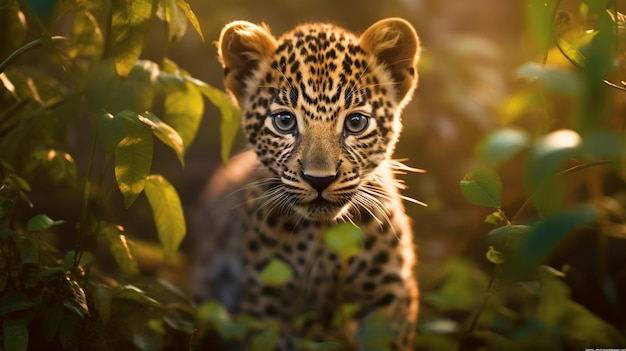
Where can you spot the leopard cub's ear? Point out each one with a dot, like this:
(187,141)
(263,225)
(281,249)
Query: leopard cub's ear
(241,47)
(394,43)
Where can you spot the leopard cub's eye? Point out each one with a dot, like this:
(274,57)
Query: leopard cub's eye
(284,122)
(356,123)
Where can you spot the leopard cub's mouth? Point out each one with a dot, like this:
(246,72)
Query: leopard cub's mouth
(320,209)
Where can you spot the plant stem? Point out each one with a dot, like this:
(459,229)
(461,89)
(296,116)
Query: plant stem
(82,221)
(24,49)
(483,304)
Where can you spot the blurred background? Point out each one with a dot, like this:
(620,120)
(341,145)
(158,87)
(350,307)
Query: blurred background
(469,86)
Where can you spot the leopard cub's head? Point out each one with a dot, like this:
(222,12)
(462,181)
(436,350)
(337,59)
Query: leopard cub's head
(321,107)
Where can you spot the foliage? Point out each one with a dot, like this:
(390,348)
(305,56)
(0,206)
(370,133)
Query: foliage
(583,142)
(60,93)
(73,74)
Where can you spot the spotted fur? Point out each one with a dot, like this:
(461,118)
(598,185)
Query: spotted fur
(321,112)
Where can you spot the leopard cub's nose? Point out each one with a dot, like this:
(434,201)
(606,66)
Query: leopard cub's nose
(319,183)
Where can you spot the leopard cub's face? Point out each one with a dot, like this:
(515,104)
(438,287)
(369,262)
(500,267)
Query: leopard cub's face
(321,107)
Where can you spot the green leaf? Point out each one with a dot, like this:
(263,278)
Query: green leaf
(132,293)
(15,334)
(376,332)
(583,329)
(86,39)
(130,21)
(231,116)
(14,301)
(136,91)
(508,235)
(547,155)
(344,239)
(59,164)
(265,340)
(535,247)
(190,16)
(494,256)
(461,286)
(215,315)
(344,315)
(168,214)
(482,187)
(41,222)
(133,159)
(553,298)
(553,80)
(276,272)
(501,146)
(28,249)
(183,111)
(102,301)
(540,23)
(112,129)
(175,18)
(496,218)
(120,247)
(165,133)
(75,299)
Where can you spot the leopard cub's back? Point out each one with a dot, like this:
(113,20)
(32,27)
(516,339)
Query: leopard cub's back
(321,114)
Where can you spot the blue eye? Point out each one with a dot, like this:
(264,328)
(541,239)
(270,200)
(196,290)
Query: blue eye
(356,123)
(284,122)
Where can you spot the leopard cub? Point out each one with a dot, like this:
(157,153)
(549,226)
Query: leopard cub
(321,113)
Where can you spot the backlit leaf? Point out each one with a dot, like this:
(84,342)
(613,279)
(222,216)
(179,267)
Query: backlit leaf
(551,79)
(546,157)
(276,272)
(120,247)
(231,116)
(41,222)
(167,212)
(133,160)
(132,293)
(165,133)
(500,146)
(86,39)
(175,18)
(136,91)
(190,16)
(482,187)
(494,256)
(130,21)
(344,239)
(183,108)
